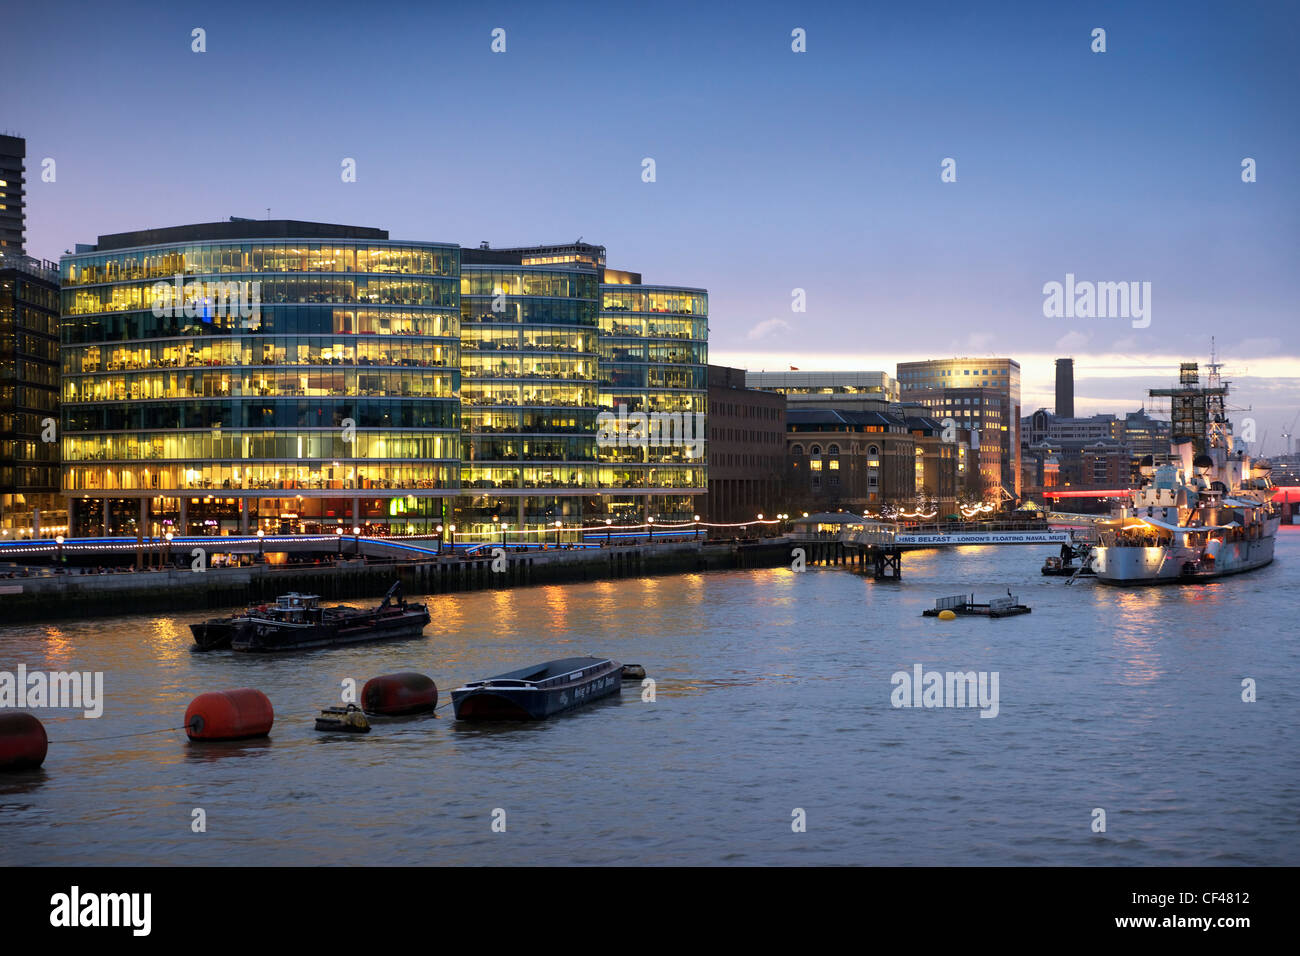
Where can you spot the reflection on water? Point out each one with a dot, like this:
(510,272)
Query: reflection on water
(772,692)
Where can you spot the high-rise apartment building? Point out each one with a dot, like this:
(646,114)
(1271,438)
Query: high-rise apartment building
(29,365)
(13,196)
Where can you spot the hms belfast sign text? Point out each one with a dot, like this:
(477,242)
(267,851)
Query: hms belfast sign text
(1005,537)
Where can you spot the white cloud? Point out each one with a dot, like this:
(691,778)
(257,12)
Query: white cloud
(1071,342)
(766,328)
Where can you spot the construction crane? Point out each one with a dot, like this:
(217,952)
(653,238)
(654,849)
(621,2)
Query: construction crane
(1290,434)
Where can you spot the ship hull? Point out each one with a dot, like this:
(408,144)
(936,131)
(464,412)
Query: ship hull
(270,636)
(510,698)
(1160,565)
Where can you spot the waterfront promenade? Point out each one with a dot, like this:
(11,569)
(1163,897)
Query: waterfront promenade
(86,592)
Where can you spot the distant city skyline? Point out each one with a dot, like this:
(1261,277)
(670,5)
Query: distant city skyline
(1104,384)
(776,171)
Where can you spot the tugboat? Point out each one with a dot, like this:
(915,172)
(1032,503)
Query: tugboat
(1205,513)
(298,622)
(535,693)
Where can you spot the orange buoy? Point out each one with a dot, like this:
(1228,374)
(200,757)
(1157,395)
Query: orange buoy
(229,715)
(23,742)
(395,695)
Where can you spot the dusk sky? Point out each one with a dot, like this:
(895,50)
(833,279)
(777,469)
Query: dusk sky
(775,170)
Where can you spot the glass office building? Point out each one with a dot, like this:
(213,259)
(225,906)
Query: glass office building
(981,395)
(529,357)
(301,377)
(29,397)
(654,361)
(260,374)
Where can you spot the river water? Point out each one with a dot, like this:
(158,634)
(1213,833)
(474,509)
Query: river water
(772,696)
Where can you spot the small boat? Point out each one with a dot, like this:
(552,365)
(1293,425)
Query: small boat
(348,719)
(1064,566)
(299,622)
(965,605)
(535,693)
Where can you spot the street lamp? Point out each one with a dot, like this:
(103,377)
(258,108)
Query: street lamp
(439,530)
(557,532)
(651,522)
(356,538)
(608,530)
(260,552)
(338,533)
(169,547)
(451,536)
(58,539)
(697,527)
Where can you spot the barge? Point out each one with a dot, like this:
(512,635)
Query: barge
(538,692)
(963,605)
(299,622)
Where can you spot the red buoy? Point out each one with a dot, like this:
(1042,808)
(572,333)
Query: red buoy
(229,715)
(22,742)
(395,695)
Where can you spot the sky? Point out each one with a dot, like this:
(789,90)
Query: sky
(775,170)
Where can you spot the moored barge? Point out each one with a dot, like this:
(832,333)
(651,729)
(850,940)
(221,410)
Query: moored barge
(963,605)
(538,692)
(299,622)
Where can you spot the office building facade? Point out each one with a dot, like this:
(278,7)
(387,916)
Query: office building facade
(862,461)
(278,375)
(29,366)
(850,391)
(29,397)
(654,362)
(529,389)
(296,376)
(747,445)
(982,395)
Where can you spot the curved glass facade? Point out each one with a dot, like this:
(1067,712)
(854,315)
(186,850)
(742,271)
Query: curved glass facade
(229,383)
(263,382)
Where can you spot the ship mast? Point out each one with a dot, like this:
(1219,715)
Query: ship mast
(1197,412)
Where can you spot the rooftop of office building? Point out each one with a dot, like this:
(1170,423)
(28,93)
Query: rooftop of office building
(232,230)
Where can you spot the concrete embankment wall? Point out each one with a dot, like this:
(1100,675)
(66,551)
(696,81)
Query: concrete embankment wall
(94,595)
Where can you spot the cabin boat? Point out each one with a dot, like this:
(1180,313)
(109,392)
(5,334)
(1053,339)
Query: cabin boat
(538,692)
(299,622)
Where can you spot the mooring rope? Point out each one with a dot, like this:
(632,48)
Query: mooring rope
(143,733)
